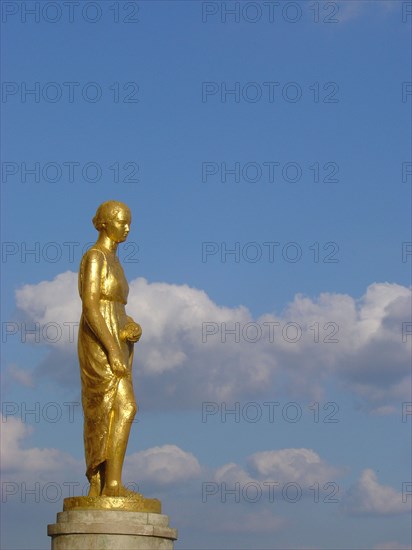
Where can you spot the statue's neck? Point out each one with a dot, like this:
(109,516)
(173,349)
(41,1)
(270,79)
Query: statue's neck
(107,243)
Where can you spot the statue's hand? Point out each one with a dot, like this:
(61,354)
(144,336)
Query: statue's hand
(131,332)
(116,364)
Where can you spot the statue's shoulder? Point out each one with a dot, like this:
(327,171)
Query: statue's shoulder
(93,255)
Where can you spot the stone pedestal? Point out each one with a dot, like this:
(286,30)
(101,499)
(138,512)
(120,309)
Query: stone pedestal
(90,529)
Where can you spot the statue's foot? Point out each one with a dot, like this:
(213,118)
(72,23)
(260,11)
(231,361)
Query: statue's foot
(95,488)
(118,491)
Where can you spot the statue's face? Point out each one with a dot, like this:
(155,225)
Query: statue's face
(118,227)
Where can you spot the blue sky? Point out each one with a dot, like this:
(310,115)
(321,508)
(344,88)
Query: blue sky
(273,133)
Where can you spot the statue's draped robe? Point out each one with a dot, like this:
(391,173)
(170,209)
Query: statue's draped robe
(99,384)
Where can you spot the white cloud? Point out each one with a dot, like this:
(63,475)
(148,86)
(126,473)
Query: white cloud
(21,376)
(160,466)
(303,466)
(163,465)
(269,473)
(179,364)
(232,473)
(52,302)
(370,498)
(19,462)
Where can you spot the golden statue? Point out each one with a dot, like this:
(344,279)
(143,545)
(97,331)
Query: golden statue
(105,346)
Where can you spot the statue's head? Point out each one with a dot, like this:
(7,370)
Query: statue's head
(114,218)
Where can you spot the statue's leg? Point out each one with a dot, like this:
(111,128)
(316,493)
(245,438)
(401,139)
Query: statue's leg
(95,485)
(123,414)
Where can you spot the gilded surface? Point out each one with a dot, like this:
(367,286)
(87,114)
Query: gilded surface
(134,503)
(105,345)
